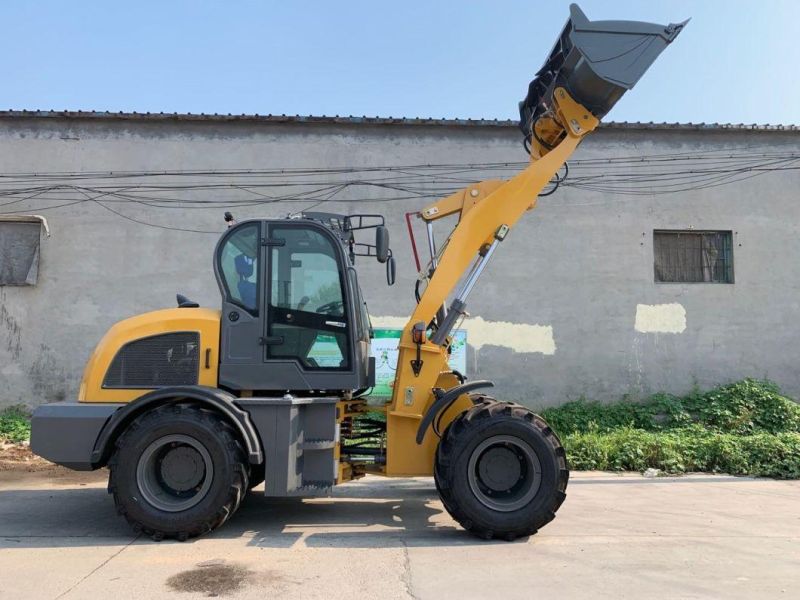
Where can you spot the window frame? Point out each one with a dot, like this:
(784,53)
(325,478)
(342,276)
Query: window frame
(36,259)
(361,313)
(730,270)
(258,268)
(347,296)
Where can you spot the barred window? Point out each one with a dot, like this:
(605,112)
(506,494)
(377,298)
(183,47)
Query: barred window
(693,256)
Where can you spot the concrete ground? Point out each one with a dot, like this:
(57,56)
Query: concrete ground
(616,536)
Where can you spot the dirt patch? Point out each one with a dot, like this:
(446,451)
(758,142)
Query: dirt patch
(212,578)
(18,457)
(21,468)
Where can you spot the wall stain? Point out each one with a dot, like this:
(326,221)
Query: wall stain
(10,329)
(47,377)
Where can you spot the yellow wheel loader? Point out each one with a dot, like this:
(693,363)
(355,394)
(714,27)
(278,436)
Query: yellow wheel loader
(189,407)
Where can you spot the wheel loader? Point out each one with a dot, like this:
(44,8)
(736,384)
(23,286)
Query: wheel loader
(190,407)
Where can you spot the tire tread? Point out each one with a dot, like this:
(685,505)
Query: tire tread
(236,456)
(457,434)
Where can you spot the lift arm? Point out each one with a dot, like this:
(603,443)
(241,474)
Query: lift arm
(486,217)
(591,66)
(487,211)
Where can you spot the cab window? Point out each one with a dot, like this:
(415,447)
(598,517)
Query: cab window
(239,266)
(307,306)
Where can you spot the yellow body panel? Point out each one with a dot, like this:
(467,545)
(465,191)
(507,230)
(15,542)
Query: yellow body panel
(481,214)
(410,458)
(205,321)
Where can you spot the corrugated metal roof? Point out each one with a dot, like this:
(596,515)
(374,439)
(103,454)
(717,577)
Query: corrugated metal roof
(702,126)
(363,120)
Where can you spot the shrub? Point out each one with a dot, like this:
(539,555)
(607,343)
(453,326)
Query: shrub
(744,428)
(747,406)
(685,450)
(580,415)
(15,424)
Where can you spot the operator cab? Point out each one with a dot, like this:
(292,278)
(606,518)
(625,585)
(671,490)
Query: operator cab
(293,316)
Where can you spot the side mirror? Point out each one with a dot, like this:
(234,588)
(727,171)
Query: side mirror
(390,270)
(382,243)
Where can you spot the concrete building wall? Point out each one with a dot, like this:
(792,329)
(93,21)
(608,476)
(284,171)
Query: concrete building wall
(553,318)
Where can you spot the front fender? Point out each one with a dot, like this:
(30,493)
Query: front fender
(444,399)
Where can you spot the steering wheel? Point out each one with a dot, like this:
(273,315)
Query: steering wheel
(331,308)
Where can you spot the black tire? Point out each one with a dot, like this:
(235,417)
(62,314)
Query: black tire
(138,478)
(256,476)
(538,482)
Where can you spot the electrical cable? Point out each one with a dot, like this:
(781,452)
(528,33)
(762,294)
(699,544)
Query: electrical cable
(640,175)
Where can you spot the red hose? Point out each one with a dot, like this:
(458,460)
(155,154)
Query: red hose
(413,242)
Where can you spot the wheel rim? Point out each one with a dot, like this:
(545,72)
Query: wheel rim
(174,473)
(504,473)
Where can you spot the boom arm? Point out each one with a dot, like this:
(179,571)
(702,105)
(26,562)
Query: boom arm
(589,69)
(487,211)
(486,217)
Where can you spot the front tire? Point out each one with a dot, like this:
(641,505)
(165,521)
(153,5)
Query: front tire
(501,471)
(178,472)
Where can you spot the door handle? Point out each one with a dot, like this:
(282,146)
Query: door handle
(272,340)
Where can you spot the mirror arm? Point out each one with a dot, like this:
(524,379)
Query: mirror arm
(390,269)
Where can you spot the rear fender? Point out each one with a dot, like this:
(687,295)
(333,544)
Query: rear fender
(212,398)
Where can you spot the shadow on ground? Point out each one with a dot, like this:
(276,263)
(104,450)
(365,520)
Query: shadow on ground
(404,513)
(371,513)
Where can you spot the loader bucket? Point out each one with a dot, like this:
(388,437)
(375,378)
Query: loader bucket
(596,62)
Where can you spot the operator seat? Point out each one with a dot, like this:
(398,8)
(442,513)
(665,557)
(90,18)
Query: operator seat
(247,289)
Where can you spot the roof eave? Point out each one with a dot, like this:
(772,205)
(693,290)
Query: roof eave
(363,120)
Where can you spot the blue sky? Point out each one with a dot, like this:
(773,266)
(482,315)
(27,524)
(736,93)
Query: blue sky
(737,61)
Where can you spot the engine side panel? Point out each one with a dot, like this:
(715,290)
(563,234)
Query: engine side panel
(203,321)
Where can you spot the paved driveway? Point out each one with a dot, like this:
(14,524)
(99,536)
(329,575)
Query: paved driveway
(616,536)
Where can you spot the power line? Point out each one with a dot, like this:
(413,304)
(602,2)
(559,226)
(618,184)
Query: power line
(643,175)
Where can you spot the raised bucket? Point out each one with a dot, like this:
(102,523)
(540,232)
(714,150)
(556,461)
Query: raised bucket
(596,62)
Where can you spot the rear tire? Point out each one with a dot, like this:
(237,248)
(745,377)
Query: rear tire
(500,470)
(178,472)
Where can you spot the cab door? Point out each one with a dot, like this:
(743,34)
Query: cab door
(309,323)
(239,266)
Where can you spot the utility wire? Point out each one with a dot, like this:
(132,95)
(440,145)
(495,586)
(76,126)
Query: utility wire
(643,175)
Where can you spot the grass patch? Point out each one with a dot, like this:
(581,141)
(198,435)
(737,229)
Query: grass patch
(742,408)
(15,424)
(686,450)
(744,428)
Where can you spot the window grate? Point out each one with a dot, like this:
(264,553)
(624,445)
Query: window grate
(693,256)
(157,361)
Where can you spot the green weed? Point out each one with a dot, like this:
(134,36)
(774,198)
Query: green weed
(15,424)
